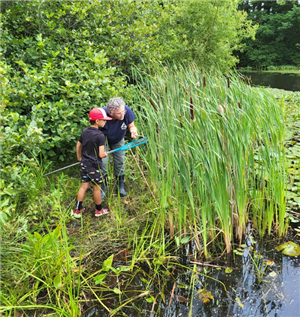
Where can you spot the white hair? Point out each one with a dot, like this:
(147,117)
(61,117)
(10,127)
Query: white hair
(113,104)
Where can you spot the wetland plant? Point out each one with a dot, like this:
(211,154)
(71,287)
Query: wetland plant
(215,154)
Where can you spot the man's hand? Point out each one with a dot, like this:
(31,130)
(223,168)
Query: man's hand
(133,131)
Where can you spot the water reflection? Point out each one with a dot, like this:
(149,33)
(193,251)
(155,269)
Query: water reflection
(275,80)
(277,295)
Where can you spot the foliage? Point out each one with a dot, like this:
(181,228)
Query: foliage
(277,38)
(200,32)
(55,74)
(62,58)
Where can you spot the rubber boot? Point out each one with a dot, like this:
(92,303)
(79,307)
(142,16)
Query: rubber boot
(103,187)
(121,186)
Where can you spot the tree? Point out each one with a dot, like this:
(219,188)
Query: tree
(277,39)
(206,32)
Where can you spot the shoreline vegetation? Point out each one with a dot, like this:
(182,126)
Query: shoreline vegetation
(272,69)
(200,181)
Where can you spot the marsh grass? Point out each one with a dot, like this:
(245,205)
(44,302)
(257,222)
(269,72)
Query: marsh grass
(220,165)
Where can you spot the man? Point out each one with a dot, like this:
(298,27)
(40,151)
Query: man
(115,131)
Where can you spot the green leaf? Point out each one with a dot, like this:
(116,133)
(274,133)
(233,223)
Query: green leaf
(117,291)
(150,299)
(185,240)
(107,263)
(99,278)
(57,281)
(289,248)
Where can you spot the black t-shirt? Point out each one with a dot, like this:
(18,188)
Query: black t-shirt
(91,138)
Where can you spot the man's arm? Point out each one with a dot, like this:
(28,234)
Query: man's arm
(133,130)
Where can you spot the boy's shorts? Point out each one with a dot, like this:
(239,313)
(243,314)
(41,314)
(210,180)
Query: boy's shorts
(90,174)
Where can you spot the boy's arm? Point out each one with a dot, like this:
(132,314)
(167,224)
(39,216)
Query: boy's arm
(78,150)
(133,130)
(102,153)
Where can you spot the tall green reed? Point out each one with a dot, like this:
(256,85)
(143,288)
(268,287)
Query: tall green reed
(211,146)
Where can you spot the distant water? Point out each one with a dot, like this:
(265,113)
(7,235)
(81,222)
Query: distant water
(275,80)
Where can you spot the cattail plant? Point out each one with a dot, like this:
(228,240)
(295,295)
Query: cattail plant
(214,170)
(152,103)
(192,108)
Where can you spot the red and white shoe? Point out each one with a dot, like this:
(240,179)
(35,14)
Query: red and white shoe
(77,213)
(102,212)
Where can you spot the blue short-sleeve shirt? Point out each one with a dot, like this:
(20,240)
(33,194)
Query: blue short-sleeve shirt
(115,130)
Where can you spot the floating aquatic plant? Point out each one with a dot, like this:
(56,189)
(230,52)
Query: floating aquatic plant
(289,248)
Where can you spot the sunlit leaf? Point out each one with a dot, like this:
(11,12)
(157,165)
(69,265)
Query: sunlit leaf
(181,285)
(57,281)
(150,299)
(99,278)
(289,248)
(185,240)
(107,263)
(270,262)
(239,302)
(228,270)
(117,291)
(205,295)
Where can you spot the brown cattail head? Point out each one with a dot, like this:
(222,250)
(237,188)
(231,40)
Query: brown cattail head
(240,106)
(228,81)
(204,81)
(152,103)
(180,118)
(250,82)
(192,108)
(166,90)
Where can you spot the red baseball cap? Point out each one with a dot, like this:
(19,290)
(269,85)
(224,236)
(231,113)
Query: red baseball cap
(98,114)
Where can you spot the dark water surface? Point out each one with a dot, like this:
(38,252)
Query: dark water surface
(289,82)
(235,293)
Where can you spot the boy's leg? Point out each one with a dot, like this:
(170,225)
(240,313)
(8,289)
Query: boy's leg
(79,209)
(97,194)
(99,210)
(82,190)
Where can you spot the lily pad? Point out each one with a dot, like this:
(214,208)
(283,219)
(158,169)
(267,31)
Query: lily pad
(297,199)
(289,248)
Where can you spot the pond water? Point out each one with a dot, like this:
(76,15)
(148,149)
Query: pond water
(275,80)
(232,286)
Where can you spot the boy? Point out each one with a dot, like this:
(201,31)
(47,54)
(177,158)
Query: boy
(90,151)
